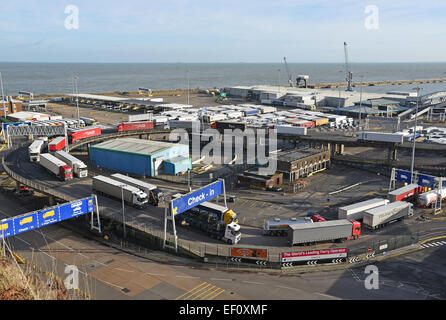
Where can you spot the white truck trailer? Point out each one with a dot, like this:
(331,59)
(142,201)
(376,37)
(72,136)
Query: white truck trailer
(382,216)
(380,137)
(80,169)
(292,130)
(118,190)
(356,211)
(56,166)
(35,149)
(429,198)
(156,196)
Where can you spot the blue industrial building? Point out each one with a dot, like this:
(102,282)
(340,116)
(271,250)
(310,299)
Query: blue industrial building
(141,157)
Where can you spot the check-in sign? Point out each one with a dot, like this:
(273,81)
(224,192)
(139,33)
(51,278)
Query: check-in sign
(195,198)
(317,254)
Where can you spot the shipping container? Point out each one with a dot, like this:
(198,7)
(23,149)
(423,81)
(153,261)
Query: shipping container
(356,211)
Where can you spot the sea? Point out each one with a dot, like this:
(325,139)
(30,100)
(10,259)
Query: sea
(57,78)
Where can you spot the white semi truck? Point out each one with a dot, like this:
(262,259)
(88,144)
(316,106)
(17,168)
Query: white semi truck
(156,196)
(116,189)
(80,169)
(35,149)
(381,216)
(356,211)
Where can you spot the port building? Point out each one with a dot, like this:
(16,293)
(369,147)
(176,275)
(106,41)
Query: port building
(141,157)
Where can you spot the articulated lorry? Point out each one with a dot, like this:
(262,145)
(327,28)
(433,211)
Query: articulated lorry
(279,227)
(57,144)
(210,223)
(156,196)
(405,193)
(57,167)
(356,211)
(384,215)
(116,189)
(223,213)
(80,169)
(333,230)
(429,198)
(35,149)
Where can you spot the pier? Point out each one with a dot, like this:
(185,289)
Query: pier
(375,83)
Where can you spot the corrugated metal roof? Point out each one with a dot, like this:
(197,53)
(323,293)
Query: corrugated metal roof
(136,146)
(293,155)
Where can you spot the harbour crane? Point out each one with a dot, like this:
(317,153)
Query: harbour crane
(348,73)
(290,77)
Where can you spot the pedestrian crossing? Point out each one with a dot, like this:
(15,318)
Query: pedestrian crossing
(204,291)
(433,244)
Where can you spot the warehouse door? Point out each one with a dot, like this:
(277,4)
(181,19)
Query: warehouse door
(157,164)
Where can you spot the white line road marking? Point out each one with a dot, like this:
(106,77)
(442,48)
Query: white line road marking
(24,241)
(252,282)
(155,274)
(289,288)
(216,279)
(327,296)
(188,277)
(124,270)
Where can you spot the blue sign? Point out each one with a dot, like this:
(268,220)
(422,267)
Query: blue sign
(402,175)
(197,197)
(426,181)
(34,220)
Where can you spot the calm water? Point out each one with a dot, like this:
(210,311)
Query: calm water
(94,77)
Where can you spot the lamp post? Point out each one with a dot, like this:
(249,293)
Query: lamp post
(414,135)
(360,103)
(75,78)
(123,210)
(3,96)
(187,73)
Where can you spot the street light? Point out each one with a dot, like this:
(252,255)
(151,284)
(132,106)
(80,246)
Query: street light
(414,134)
(3,96)
(360,103)
(75,78)
(123,209)
(187,73)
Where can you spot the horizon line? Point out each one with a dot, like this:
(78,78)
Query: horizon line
(227,62)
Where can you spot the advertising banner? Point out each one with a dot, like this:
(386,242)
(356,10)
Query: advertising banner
(249,253)
(317,254)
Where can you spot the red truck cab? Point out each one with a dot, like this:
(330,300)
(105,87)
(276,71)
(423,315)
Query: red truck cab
(317,218)
(356,230)
(65,172)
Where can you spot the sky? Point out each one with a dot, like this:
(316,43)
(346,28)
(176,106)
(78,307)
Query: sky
(149,31)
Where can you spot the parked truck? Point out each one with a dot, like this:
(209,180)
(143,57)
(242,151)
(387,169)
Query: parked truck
(80,169)
(210,223)
(384,215)
(427,199)
(333,230)
(80,134)
(57,144)
(140,125)
(356,211)
(155,195)
(35,149)
(291,130)
(222,212)
(62,170)
(279,227)
(116,189)
(405,193)
(380,137)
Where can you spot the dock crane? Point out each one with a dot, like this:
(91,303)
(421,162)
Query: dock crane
(348,73)
(290,77)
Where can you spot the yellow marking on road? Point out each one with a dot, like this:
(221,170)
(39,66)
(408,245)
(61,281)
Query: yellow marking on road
(18,258)
(190,291)
(432,239)
(212,293)
(191,294)
(3,147)
(215,296)
(211,289)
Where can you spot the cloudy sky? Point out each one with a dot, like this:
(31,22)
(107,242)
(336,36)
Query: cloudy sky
(223,31)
